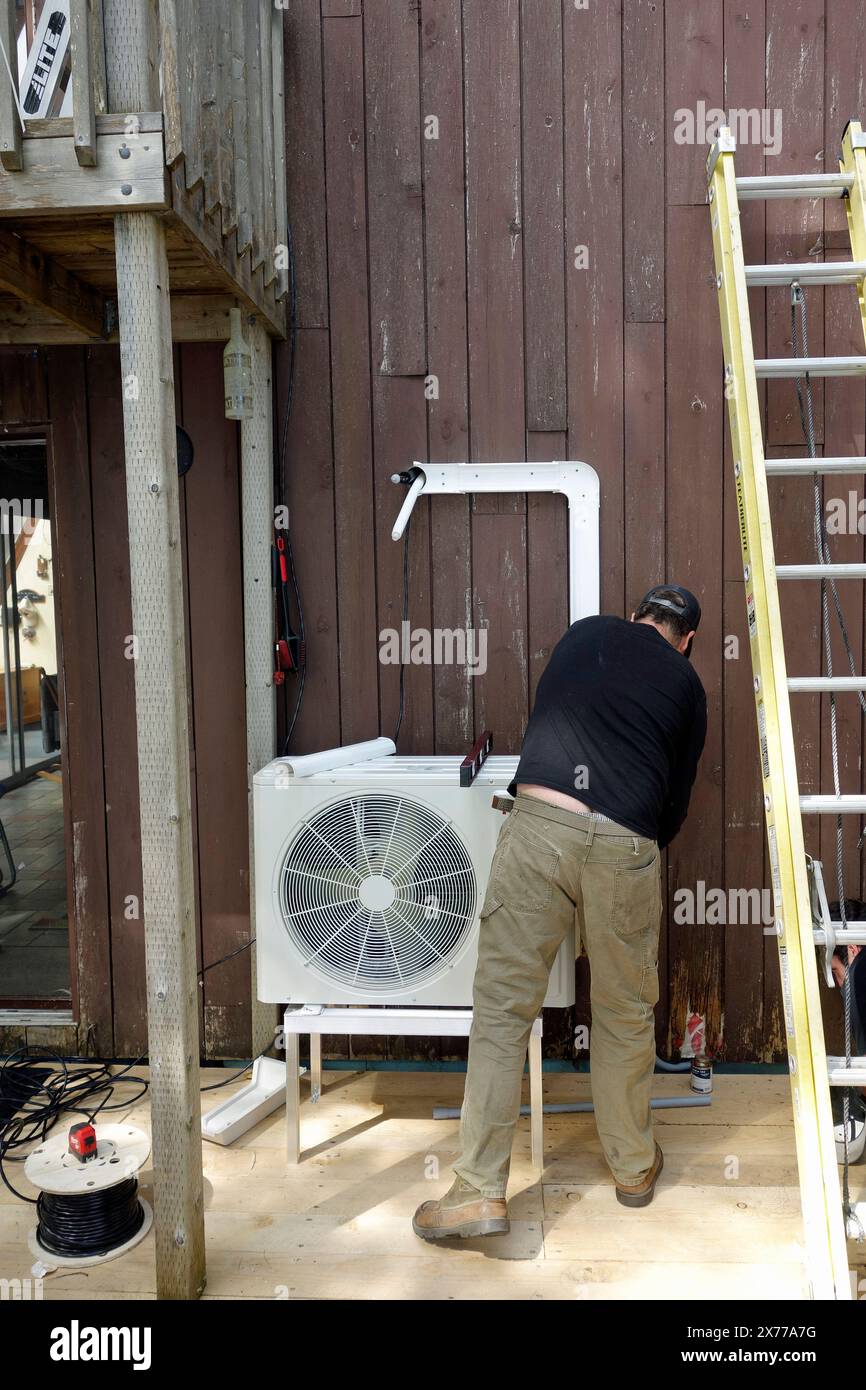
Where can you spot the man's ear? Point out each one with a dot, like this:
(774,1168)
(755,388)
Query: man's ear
(684,641)
(631,619)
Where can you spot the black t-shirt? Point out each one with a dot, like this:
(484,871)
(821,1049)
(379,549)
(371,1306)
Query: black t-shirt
(619,722)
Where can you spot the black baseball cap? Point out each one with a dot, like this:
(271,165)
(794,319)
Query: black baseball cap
(689,609)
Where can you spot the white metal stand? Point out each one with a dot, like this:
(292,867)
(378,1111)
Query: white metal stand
(315,1019)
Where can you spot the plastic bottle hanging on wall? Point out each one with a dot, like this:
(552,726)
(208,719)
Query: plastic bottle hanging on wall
(238,372)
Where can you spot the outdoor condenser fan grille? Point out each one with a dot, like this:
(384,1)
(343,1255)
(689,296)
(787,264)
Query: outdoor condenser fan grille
(377,891)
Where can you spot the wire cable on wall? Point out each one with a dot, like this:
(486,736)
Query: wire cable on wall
(282,487)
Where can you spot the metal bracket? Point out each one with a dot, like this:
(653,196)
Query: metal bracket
(577,481)
(821,915)
(724,143)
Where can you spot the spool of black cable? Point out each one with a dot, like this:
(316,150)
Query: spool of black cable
(89,1210)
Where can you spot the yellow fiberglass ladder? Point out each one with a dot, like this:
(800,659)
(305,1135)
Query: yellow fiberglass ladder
(802,916)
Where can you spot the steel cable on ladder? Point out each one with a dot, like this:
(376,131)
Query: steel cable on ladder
(822,551)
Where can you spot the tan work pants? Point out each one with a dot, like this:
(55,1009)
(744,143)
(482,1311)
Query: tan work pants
(553,868)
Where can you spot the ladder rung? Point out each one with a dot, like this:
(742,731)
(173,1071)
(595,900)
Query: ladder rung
(845,936)
(821,571)
(792,467)
(813,684)
(793,186)
(833,805)
(777,367)
(811,273)
(840,1075)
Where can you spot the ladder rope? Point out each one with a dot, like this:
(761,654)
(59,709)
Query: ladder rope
(822,550)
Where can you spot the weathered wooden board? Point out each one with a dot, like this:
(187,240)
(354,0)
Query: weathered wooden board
(399,436)
(195,318)
(117,693)
(350,377)
(52,182)
(644,539)
(23,394)
(40,280)
(494,269)
(494,234)
(447,386)
(593,238)
(543,212)
(694,558)
(306,161)
(795,89)
(394,188)
(694,59)
(214,587)
(309,485)
(643,107)
(84,782)
(744,943)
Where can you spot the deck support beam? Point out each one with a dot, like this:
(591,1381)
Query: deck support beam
(257,504)
(29,274)
(160,692)
(163,750)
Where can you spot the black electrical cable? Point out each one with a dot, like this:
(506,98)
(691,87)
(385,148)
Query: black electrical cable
(236,1072)
(89,1223)
(281,484)
(231,955)
(302,677)
(37,1095)
(37,1086)
(405,620)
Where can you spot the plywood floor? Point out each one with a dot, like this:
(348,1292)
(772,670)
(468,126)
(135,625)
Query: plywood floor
(725,1222)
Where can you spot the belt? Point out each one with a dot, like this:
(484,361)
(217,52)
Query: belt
(537,807)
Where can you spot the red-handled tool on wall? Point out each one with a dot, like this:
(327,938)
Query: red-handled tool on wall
(289,650)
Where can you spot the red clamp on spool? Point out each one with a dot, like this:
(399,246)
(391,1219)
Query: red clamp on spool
(82,1141)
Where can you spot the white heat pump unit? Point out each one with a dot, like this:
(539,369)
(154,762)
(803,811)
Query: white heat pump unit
(370,877)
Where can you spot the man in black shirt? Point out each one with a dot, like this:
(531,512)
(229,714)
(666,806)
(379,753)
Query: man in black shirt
(603,784)
(620,719)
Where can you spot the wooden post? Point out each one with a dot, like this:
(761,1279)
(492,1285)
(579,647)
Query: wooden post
(163,750)
(160,692)
(257,503)
(10,121)
(81,77)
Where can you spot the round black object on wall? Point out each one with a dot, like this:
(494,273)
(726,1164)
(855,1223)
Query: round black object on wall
(185,451)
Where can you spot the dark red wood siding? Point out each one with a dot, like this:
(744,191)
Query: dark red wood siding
(73,395)
(534,282)
(557,131)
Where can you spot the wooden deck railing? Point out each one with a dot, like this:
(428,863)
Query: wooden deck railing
(212,158)
(221,67)
(86,49)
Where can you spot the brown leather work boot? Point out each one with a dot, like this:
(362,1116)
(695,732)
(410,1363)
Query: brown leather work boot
(642,1193)
(463,1211)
